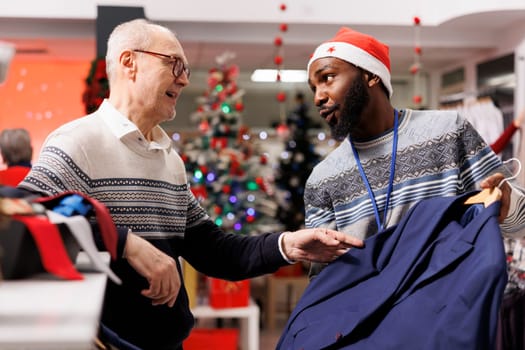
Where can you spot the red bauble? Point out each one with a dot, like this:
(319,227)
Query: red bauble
(283,27)
(278,60)
(282,130)
(263,160)
(417,99)
(281,96)
(414,68)
(226,189)
(283,7)
(239,107)
(417,20)
(204,126)
(278,41)
(278,77)
(417,50)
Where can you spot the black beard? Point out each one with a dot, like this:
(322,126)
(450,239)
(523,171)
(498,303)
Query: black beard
(355,101)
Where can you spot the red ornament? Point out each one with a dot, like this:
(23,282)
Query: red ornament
(282,130)
(281,96)
(417,99)
(226,189)
(417,50)
(217,210)
(263,160)
(278,41)
(414,68)
(283,7)
(204,126)
(283,27)
(239,107)
(278,77)
(417,20)
(278,60)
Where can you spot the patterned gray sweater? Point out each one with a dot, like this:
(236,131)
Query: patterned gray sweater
(439,154)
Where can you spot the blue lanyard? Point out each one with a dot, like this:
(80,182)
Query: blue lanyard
(380,225)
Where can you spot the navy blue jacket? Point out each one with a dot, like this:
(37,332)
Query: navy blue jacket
(434,281)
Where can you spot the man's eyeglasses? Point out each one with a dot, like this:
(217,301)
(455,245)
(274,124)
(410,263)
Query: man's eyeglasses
(178,65)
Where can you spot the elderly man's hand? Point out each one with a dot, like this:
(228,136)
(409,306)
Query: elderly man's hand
(157,267)
(317,244)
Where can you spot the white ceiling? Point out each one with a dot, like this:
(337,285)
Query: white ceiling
(444,45)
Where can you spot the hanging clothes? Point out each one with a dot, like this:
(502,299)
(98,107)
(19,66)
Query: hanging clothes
(434,281)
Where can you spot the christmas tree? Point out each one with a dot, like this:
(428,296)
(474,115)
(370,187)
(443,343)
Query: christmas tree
(295,165)
(227,172)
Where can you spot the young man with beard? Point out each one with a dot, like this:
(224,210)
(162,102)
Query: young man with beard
(389,158)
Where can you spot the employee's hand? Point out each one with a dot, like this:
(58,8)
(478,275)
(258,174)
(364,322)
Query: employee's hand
(317,244)
(157,267)
(493,181)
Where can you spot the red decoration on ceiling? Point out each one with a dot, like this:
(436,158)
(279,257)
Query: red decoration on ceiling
(278,60)
(415,68)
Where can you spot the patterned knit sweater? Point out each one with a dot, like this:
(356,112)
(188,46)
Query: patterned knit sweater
(439,154)
(143,184)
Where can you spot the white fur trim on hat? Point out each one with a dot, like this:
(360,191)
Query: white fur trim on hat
(356,56)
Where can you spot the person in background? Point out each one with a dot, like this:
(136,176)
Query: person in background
(120,156)
(389,158)
(17,153)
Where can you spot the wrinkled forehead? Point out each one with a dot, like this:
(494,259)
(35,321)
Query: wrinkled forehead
(168,43)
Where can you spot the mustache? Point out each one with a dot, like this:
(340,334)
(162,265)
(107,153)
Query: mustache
(325,110)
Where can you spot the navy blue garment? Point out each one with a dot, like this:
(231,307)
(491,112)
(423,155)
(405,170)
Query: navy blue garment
(434,281)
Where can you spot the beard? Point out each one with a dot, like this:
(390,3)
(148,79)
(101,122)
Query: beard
(355,101)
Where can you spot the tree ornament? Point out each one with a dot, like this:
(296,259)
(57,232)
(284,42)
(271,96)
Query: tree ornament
(278,41)
(239,106)
(283,7)
(283,27)
(281,96)
(278,60)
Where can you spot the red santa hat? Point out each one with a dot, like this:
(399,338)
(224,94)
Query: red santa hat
(359,49)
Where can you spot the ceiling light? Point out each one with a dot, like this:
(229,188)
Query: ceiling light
(287,75)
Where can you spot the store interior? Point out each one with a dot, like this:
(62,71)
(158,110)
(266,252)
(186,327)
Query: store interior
(444,55)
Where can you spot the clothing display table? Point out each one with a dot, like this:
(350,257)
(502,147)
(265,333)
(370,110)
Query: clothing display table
(43,312)
(249,317)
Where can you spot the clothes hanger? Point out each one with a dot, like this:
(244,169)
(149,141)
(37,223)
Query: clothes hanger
(489,195)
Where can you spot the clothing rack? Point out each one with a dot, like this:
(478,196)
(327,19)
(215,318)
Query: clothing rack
(461,97)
